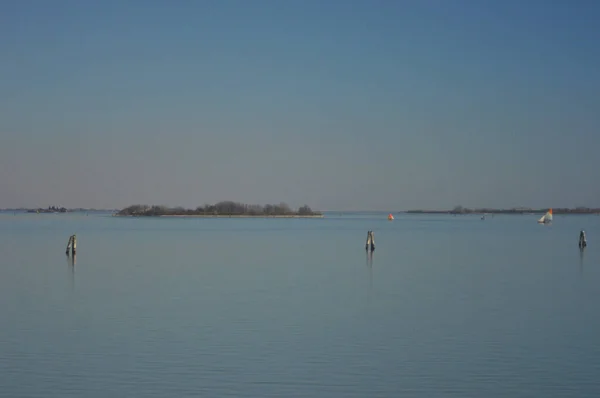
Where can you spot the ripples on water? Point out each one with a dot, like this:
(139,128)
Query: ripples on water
(446,306)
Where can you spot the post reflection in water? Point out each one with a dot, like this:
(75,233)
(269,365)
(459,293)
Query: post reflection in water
(370,269)
(581,255)
(71,261)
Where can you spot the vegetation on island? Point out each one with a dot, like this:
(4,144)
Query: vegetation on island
(516,210)
(50,209)
(224,208)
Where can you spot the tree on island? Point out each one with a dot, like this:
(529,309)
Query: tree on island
(224,208)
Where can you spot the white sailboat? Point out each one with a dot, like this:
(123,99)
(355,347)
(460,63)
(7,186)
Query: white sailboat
(546,218)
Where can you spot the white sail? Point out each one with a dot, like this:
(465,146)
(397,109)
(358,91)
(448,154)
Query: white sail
(546,218)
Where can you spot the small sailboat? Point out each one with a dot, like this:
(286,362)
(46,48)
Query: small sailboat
(546,218)
(390,217)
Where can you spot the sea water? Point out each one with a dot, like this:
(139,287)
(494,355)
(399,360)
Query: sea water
(178,307)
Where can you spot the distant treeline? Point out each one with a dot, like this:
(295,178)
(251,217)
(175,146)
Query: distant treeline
(50,209)
(225,208)
(519,210)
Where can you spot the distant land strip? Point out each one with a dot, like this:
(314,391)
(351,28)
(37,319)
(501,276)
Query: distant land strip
(53,209)
(221,210)
(517,210)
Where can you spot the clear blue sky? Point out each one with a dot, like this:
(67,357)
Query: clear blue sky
(383,105)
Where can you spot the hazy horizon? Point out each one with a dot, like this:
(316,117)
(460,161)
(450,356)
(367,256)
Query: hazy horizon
(343,105)
(329,210)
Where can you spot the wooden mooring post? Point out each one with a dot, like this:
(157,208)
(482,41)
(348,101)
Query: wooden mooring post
(582,239)
(370,241)
(72,244)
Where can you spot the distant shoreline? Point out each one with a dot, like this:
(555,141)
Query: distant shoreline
(219,216)
(56,211)
(224,209)
(519,211)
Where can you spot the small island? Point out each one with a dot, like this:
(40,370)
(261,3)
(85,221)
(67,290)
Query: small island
(221,209)
(516,210)
(50,209)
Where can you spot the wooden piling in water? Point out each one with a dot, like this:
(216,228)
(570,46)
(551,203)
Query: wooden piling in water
(370,241)
(69,245)
(582,240)
(72,244)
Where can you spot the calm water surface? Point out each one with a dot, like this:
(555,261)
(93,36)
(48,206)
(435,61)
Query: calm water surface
(446,306)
